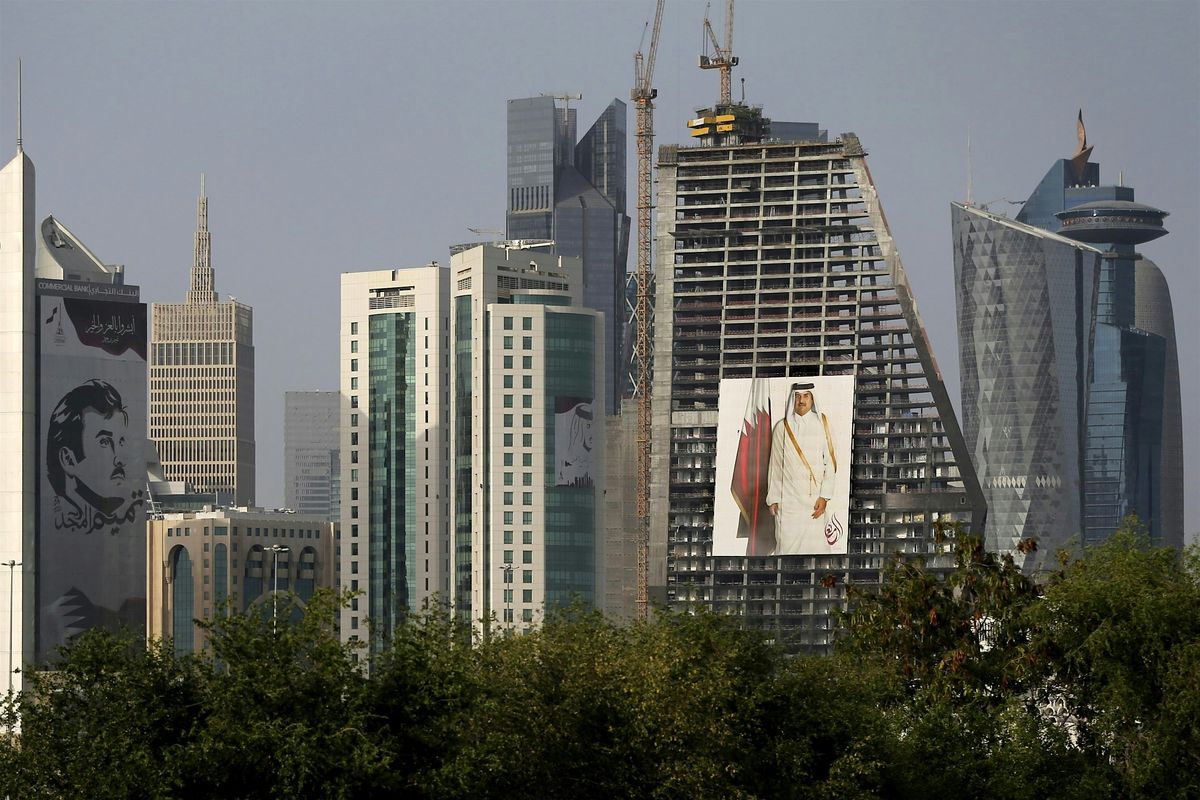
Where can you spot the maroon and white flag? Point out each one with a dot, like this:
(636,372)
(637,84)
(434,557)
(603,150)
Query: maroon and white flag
(750,467)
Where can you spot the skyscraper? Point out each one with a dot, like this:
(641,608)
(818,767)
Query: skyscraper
(72,427)
(395,506)
(202,381)
(781,297)
(311,468)
(528,475)
(574,193)
(1070,378)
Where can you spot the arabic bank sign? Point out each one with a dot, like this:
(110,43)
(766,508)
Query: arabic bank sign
(92,425)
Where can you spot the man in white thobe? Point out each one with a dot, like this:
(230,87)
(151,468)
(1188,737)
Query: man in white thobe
(801,476)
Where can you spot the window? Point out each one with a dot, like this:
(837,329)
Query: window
(508,518)
(508,459)
(508,362)
(527,459)
(508,556)
(526,342)
(526,381)
(508,401)
(354,420)
(353,456)
(527,324)
(354,365)
(527,362)
(354,474)
(353,328)
(527,479)
(354,401)
(526,517)
(508,323)
(508,440)
(353,492)
(526,556)
(508,419)
(508,479)
(354,383)
(526,537)
(527,401)
(526,498)
(526,576)
(527,595)
(508,342)
(354,438)
(527,615)
(508,537)
(527,439)
(527,420)
(508,382)
(354,345)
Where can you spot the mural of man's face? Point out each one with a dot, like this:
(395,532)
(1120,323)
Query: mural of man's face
(804,403)
(102,468)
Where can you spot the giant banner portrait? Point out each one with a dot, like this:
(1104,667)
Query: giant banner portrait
(573,426)
(91,538)
(783,466)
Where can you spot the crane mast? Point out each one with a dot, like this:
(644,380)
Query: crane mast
(722,58)
(643,95)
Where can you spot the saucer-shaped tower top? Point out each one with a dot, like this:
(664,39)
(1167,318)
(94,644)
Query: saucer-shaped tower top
(1112,222)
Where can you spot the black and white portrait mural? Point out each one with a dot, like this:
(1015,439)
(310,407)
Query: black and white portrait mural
(91,546)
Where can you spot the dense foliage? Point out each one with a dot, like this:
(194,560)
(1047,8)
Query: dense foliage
(975,684)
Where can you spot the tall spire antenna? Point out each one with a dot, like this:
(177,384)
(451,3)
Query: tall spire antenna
(19,150)
(970,175)
(203,283)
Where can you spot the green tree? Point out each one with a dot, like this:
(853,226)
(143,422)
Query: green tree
(1117,635)
(111,718)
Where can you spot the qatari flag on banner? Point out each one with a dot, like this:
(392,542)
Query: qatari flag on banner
(750,472)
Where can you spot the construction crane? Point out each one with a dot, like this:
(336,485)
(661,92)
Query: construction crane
(722,58)
(643,95)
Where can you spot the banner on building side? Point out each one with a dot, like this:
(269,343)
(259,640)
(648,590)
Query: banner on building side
(783,466)
(91,545)
(573,455)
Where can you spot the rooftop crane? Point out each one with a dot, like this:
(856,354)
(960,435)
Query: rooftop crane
(643,95)
(722,57)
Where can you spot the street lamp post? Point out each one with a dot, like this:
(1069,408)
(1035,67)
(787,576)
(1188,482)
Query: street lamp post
(275,549)
(12,565)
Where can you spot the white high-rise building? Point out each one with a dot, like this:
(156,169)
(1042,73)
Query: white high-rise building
(395,505)
(311,468)
(18,411)
(202,382)
(527,432)
(72,435)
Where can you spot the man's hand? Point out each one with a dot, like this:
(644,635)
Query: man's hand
(819,508)
(775,509)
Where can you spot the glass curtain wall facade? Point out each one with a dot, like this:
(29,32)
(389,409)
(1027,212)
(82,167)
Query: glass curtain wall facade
(773,259)
(1026,304)
(1121,444)
(574,194)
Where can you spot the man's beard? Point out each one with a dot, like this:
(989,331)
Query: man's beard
(108,506)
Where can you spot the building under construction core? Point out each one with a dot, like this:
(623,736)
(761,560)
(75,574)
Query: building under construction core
(773,259)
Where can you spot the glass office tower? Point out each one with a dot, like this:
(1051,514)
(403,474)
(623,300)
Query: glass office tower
(574,194)
(1070,390)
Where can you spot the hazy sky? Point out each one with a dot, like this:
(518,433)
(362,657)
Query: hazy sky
(352,136)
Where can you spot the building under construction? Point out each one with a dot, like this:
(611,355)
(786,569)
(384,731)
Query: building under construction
(773,259)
